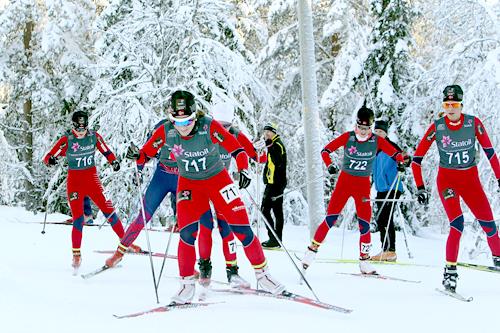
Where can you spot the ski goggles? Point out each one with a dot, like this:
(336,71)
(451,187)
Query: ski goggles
(186,122)
(451,105)
(363,127)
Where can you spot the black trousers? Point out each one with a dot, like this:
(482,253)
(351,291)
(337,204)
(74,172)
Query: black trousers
(276,206)
(385,217)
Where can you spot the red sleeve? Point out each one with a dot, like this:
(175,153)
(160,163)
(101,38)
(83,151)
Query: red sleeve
(222,137)
(389,149)
(420,152)
(151,147)
(332,146)
(485,142)
(250,149)
(104,149)
(59,149)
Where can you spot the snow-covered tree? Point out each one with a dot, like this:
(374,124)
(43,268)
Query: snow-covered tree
(147,50)
(45,47)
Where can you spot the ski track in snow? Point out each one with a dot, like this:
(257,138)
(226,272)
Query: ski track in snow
(39,294)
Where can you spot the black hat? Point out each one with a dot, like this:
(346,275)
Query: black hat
(453,93)
(80,120)
(365,116)
(382,124)
(182,103)
(271,127)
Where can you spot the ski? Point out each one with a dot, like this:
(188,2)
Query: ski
(381,277)
(286,296)
(142,253)
(97,271)
(492,269)
(455,295)
(356,261)
(166,308)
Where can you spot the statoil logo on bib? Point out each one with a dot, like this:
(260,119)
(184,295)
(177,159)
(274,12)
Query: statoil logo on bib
(198,153)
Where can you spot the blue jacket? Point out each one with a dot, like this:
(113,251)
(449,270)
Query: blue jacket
(385,170)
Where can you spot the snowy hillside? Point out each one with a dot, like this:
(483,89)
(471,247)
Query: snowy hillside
(39,294)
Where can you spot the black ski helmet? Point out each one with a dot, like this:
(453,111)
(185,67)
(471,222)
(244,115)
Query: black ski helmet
(365,116)
(80,120)
(182,103)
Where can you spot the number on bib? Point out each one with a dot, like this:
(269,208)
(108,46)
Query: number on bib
(357,165)
(229,193)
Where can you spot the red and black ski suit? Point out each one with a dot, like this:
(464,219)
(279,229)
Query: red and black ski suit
(203,178)
(353,181)
(458,176)
(83,181)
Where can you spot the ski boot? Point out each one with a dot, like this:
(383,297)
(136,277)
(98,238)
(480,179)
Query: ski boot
(205,266)
(496,261)
(77,259)
(116,257)
(134,249)
(385,256)
(186,292)
(267,282)
(309,257)
(365,267)
(450,277)
(235,281)
(271,244)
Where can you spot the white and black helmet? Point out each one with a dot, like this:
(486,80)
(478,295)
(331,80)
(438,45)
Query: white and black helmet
(182,104)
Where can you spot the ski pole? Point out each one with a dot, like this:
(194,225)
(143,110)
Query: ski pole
(165,256)
(404,233)
(296,189)
(343,234)
(143,211)
(391,212)
(283,246)
(56,176)
(258,195)
(386,198)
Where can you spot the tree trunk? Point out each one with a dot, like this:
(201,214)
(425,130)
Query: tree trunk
(27,153)
(312,143)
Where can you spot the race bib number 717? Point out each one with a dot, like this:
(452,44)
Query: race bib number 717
(229,192)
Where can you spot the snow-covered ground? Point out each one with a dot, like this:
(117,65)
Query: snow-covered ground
(39,294)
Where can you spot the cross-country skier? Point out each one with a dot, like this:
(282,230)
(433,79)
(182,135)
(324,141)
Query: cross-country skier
(455,135)
(224,114)
(360,149)
(193,139)
(164,181)
(79,145)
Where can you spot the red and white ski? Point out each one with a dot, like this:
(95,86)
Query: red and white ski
(142,253)
(379,276)
(455,295)
(286,296)
(166,308)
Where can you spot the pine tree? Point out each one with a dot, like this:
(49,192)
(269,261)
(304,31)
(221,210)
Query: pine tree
(149,49)
(44,62)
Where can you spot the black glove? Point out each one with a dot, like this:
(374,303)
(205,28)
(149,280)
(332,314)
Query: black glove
(498,184)
(422,196)
(401,167)
(133,152)
(332,169)
(52,161)
(116,165)
(244,179)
